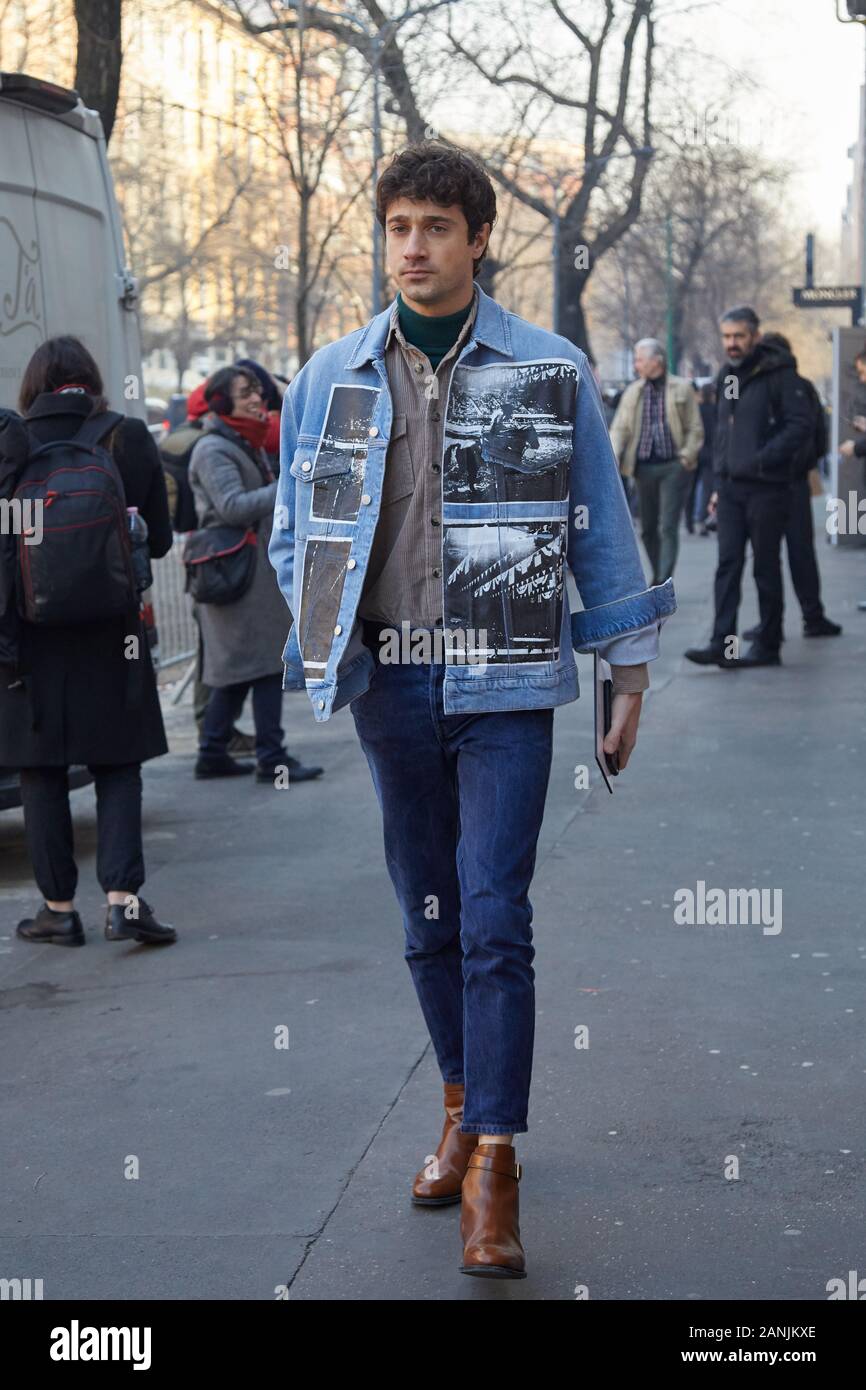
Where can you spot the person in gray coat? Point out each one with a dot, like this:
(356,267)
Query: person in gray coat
(233,485)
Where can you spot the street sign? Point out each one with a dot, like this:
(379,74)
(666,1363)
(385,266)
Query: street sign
(830,297)
(826,296)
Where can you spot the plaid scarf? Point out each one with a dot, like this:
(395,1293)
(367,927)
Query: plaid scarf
(655,437)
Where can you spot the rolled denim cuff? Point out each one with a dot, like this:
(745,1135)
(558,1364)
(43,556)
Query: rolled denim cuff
(593,626)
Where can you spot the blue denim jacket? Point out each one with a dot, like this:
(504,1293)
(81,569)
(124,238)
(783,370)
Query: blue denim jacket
(530,487)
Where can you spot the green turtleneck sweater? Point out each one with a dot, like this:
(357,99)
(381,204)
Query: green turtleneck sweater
(435,334)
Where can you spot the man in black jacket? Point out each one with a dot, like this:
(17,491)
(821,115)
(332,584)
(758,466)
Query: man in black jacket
(763,418)
(800,531)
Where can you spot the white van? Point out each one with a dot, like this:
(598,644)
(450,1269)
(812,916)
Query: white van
(62,262)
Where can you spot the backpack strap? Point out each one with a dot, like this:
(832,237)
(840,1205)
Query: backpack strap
(92,432)
(97,427)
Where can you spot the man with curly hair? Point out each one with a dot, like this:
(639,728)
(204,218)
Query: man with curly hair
(440,468)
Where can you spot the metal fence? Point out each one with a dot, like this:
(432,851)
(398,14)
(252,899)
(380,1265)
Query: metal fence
(178,635)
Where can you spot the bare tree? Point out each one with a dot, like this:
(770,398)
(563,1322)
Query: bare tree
(99,56)
(602,78)
(312,127)
(711,229)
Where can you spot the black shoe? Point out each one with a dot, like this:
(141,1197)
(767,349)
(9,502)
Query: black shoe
(52,928)
(759,656)
(709,656)
(208,766)
(297,771)
(144,927)
(821,627)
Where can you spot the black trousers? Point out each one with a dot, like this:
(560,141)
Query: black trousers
(756,512)
(800,540)
(48,828)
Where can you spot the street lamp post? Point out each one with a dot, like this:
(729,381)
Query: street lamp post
(376,287)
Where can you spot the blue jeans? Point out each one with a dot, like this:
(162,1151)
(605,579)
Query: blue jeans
(223,708)
(462,800)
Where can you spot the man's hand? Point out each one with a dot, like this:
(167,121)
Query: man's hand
(711,505)
(624,716)
(860,423)
(847,449)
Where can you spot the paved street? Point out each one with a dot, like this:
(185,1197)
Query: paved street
(261,1166)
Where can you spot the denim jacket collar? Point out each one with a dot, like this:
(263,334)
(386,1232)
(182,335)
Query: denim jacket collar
(490,328)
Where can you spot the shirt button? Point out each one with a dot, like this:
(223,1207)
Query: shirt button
(436,467)
(337,630)
(366,499)
(321,704)
(434,521)
(350,564)
(306,466)
(419,366)
(436,574)
(373,431)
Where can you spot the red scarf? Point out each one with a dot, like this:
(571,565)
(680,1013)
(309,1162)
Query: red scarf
(253,431)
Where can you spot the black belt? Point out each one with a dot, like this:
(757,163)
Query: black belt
(373,630)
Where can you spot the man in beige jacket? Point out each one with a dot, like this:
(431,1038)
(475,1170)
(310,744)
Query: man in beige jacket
(657,434)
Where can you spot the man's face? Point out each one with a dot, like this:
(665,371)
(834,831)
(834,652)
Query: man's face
(247,398)
(738,339)
(646,365)
(429,254)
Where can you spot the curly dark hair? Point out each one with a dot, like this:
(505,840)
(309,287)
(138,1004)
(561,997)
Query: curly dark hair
(441,174)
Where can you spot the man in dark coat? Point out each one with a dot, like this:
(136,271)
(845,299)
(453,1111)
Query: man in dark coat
(763,418)
(74,694)
(800,530)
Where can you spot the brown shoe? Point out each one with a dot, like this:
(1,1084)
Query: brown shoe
(450,1160)
(489,1223)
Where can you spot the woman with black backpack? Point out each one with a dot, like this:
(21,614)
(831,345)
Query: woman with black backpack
(76,681)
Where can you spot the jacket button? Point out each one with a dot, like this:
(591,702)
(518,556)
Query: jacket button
(436,416)
(350,564)
(321,704)
(306,466)
(436,574)
(437,468)
(337,630)
(434,521)
(366,499)
(373,431)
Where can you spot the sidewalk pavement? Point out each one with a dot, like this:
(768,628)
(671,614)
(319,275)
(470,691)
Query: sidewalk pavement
(260,1167)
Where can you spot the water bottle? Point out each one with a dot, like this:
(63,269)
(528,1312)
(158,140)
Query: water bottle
(138,534)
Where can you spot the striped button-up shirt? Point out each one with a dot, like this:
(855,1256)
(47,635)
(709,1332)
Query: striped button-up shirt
(404,574)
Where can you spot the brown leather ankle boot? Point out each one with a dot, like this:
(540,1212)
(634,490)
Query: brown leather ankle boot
(439,1182)
(489,1219)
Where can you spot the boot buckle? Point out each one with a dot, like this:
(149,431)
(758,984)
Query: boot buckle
(518,1171)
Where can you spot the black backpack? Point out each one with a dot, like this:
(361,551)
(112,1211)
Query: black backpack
(175,452)
(814,446)
(80,569)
